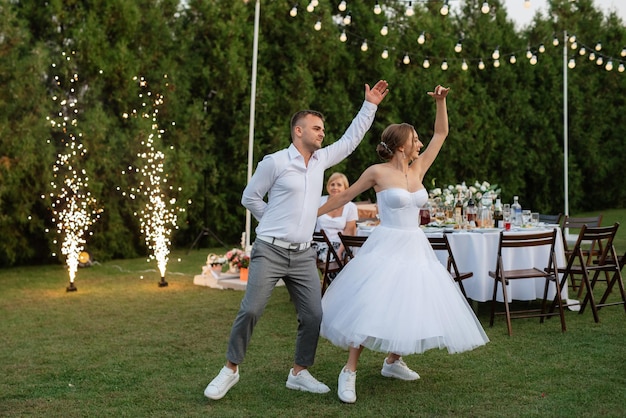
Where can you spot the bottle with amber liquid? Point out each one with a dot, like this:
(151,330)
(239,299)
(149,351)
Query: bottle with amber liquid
(458,210)
(471,211)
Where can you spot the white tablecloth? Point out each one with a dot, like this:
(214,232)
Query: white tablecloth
(478,251)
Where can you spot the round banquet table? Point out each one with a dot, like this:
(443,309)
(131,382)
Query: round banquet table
(477,251)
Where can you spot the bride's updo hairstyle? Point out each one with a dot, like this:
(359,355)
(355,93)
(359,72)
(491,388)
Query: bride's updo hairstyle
(393,136)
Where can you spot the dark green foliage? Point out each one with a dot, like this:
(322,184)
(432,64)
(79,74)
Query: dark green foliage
(506,123)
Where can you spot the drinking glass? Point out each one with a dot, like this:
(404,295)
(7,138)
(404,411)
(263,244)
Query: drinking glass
(526,217)
(534,218)
(506,216)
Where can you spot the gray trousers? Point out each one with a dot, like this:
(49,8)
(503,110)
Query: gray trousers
(268,264)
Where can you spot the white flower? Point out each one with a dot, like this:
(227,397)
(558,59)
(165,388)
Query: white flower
(448,194)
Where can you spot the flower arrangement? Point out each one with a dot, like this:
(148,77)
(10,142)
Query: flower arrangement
(234,255)
(448,195)
(244,262)
(237,259)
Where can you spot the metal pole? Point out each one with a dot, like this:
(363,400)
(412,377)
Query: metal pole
(255,51)
(565,127)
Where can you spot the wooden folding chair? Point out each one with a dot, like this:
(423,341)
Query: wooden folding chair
(550,219)
(333,263)
(350,242)
(570,229)
(513,244)
(607,262)
(442,244)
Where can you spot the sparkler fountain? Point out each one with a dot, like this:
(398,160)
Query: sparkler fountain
(74,209)
(158,215)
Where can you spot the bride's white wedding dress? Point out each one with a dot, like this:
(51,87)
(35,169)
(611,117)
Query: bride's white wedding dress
(395,296)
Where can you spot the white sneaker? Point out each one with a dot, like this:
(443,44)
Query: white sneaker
(222,383)
(306,382)
(347,386)
(399,370)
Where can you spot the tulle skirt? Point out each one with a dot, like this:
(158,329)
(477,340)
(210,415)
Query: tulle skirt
(395,296)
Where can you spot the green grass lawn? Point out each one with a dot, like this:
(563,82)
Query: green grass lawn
(122,346)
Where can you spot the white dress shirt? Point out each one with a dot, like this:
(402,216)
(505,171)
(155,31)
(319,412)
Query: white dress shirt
(293,190)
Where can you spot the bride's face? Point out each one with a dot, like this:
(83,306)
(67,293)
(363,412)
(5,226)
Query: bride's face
(413,146)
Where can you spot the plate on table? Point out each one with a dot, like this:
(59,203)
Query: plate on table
(529,228)
(486,230)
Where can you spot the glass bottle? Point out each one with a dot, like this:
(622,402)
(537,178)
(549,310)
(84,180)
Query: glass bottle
(471,211)
(458,210)
(498,216)
(516,212)
(485,214)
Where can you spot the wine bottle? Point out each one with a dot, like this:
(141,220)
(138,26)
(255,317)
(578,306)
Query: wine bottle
(498,216)
(458,210)
(471,211)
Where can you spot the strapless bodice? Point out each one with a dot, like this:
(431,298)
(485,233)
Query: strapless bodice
(399,208)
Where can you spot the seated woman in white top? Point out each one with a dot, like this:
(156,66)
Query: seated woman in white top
(341,219)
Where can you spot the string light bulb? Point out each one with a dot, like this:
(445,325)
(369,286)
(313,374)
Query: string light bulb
(444,9)
(574,45)
(609,66)
(310,8)
(481,65)
(426,63)
(458,47)
(343,37)
(555,41)
(385,54)
(377,9)
(571,64)
(496,63)
(364,46)
(444,65)
(421,39)
(600,60)
(592,56)
(623,53)
(318,25)
(496,53)
(464,65)
(529,54)
(342,6)
(294,11)
(485,8)
(512,59)
(621,67)
(347,19)
(598,47)
(527,4)
(533,60)
(582,50)
(406,60)
(409,10)
(384,30)
(542,49)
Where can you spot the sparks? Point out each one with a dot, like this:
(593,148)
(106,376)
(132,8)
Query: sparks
(74,209)
(158,215)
